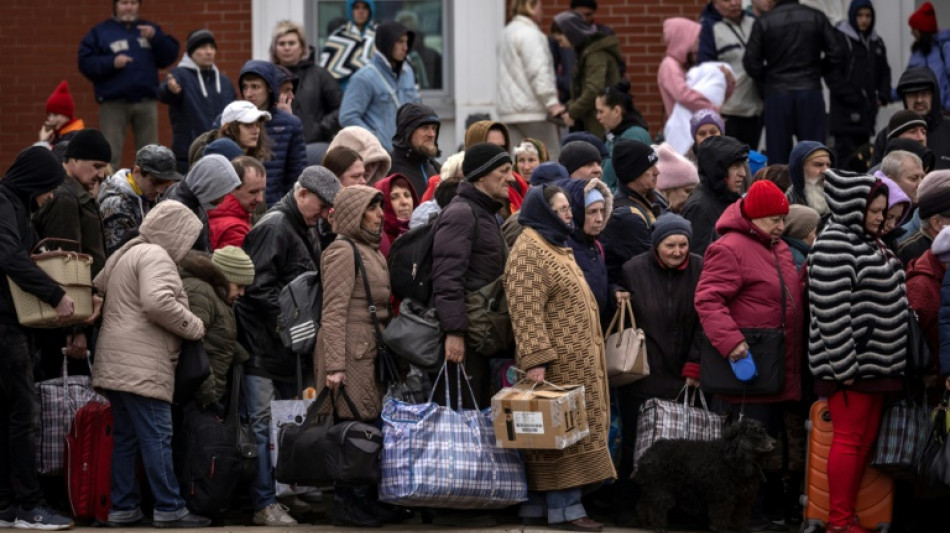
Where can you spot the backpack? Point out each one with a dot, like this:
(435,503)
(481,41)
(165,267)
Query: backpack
(209,465)
(301,305)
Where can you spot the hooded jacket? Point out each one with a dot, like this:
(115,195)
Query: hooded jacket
(317,99)
(938,126)
(347,338)
(924,277)
(348,49)
(288,151)
(858,325)
(211,178)
(710,199)
(73,213)
(204,95)
(936,61)
(588,252)
(228,223)
(369,148)
(740,288)
(679,35)
(392,226)
(526,83)
(596,69)
(146,313)
(122,209)
(406,160)
(796,169)
(34,171)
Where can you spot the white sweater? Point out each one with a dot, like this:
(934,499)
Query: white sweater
(526,85)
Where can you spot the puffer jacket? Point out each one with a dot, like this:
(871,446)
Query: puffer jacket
(317,99)
(407,161)
(588,252)
(146,315)
(288,151)
(710,199)
(739,288)
(373,96)
(121,208)
(363,141)
(596,69)
(526,84)
(228,223)
(347,338)
(924,278)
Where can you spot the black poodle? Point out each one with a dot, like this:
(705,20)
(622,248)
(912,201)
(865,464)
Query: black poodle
(721,476)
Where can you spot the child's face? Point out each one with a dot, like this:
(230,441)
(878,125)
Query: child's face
(864,19)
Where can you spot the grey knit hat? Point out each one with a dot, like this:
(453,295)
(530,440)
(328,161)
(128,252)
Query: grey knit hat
(320,181)
(670,224)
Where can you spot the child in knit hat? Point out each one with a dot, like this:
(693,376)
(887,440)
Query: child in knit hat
(60,125)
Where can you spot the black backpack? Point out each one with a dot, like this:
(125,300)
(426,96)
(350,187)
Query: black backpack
(209,467)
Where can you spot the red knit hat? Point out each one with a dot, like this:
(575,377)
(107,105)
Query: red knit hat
(764,199)
(924,19)
(61,101)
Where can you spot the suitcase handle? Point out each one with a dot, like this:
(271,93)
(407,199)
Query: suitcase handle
(53,239)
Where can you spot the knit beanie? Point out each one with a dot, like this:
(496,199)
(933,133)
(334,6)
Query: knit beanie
(592,197)
(705,116)
(933,194)
(576,154)
(800,221)
(902,121)
(924,19)
(223,146)
(235,264)
(89,144)
(941,245)
(320,181)
(61,101)
(670,224)
(481,159)
(675,170)
(199,38)
(764,199)
(631,159)
(588,137)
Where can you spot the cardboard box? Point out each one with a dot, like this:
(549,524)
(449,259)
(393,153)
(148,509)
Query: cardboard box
(539,417)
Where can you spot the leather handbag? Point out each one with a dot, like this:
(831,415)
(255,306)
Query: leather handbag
(626,349)
(919,357)
(415,335)
(192,370)
(353,449)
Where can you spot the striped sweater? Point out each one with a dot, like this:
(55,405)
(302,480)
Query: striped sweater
(858,324)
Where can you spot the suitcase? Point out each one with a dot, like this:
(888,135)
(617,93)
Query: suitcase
(89,461)
(875,503)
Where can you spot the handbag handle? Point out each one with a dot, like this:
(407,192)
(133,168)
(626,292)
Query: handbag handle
(64,375)
(53,239)
(460,371)
(633,316)
(625,308)
(690,400)
(349,403)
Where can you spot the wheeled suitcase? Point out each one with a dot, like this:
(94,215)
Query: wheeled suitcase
(875,503)
(89,461)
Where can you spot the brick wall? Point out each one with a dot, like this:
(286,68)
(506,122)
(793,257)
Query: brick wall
(40,39)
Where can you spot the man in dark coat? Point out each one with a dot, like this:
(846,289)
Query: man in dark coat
(29,181)
(919,91)
(416,145)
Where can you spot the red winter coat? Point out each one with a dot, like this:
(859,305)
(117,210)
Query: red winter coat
(924,278)
(739,288)
(229,223)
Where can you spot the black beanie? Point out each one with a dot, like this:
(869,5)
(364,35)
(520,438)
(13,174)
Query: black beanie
(89,144)
(199,38)
(481,159)
(576,154)
(631,159)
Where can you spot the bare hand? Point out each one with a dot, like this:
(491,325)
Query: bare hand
(555,109)
(121,61)
(96,309)
(535,374)
(173,85)
(65,308)
(739,352)
(284,101)
(334,380)
(455,348)
(621,296)
(692,382)
(147,31)
(568,121)
(76,346)
(47,132)
(730,77)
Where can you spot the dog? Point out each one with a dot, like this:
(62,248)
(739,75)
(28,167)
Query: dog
(721,476)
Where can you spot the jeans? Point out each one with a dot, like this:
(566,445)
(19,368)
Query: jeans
(115,116)
(788,113)
(562,505)
(18,479)
(144,424)
(258,393)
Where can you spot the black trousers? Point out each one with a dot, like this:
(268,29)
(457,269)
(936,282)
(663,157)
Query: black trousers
(747,130)
(19,482)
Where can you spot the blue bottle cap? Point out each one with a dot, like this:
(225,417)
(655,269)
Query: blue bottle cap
(744,368)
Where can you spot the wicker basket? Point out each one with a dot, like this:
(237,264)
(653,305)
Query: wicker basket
(72,271)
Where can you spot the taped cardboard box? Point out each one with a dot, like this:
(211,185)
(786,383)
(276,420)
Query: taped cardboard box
(541,417)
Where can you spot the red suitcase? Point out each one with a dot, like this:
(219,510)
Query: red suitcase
(875,503)
(89,461)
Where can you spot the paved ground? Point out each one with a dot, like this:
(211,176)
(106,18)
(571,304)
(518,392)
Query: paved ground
(406,527)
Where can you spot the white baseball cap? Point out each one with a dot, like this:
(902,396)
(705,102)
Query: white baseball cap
(244,112)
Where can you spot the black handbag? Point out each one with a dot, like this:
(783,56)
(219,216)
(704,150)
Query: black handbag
(192,370)
(767,346)
(919,358)
(933,469)
(244,437)
(415,335)
(353,449)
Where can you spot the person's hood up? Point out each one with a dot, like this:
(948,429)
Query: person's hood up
(550,172)
(575,28)
(267,71)
(604,43)
(853,16)
(895,196)
(348,209)
(680,36)
(537,214)
(188,63)
(732,220)
(848,194)
(387,34)
(390,222)
(796,162)
(211,178)
(478,133)
(198,265)
(925,154)
(922,77)
(410,117)
(34,171)
(576,191)
(370,3)
(715,155)
(369,148)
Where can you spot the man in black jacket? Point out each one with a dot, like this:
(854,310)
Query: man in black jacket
(919,91)
(416,145)
(784,56)
(29,182)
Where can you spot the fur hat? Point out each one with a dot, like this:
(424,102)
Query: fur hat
(675,170)
(61,101)
(320,181)
(800,221)
(576,154)
(764,199)
(89,144)
(235,264)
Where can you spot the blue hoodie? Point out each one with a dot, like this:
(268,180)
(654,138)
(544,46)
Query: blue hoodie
(288,151)
(796,169)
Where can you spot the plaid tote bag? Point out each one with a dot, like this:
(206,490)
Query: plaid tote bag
(435,456)
(901,438)
(58,400)
(675,419)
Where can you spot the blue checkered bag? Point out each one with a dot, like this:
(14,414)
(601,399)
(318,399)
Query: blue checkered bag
(435,456)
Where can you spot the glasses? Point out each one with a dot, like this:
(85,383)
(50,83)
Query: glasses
(566,210)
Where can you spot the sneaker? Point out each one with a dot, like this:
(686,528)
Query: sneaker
(7,516)
(124,518)
(41,517)
(190,520)
(274,515)
(294,504)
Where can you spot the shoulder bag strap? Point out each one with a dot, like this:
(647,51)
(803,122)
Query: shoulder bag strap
(392,91)
(369,295)
(231,418)
(781,280)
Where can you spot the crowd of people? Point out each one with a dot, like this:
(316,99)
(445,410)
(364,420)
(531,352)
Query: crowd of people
(571,203)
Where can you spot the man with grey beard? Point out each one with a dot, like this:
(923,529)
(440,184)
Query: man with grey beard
(806,165)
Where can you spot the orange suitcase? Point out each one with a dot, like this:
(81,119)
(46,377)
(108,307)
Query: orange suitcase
(875,504)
